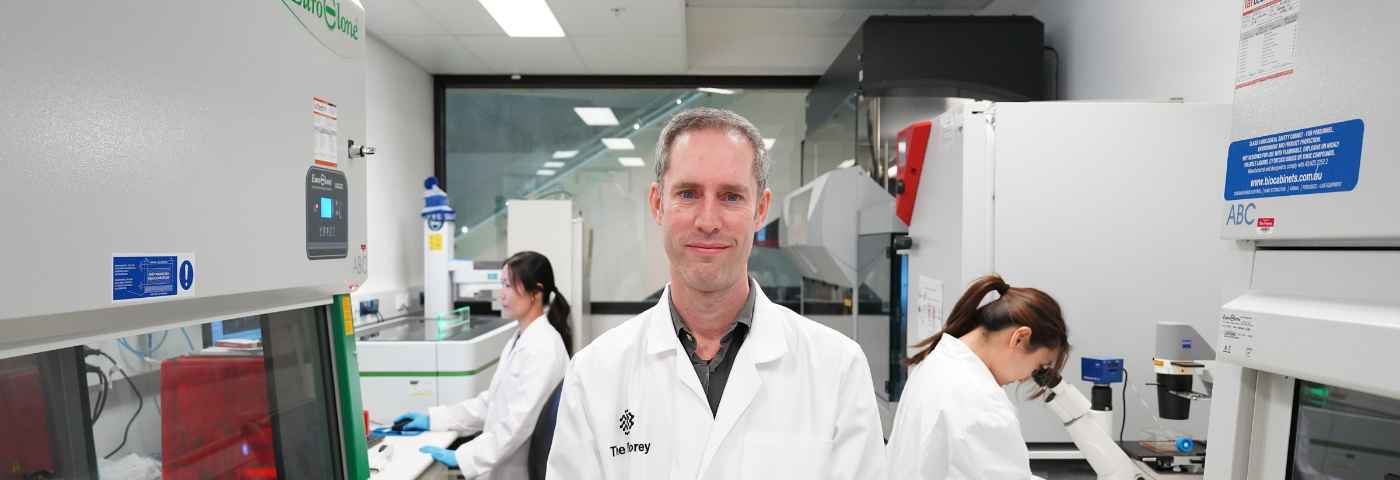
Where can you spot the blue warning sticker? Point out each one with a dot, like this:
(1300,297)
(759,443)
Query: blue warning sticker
(1321,159)
(136,277)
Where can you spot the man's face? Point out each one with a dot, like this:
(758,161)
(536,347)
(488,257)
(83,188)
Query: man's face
(708,206)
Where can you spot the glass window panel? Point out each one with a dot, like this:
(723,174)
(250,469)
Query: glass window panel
(498,140)
(177,404)
(42,411)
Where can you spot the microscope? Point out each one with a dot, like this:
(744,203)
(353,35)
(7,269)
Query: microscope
(1088,422)
(1180,351)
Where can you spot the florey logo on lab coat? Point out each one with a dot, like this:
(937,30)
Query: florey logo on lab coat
(625,422)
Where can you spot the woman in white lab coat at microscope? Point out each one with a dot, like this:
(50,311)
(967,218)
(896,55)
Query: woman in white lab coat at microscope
(954,420)
(531,366)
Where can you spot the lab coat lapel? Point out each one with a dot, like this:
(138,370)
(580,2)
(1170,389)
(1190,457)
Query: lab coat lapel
(661,338)
(765,343)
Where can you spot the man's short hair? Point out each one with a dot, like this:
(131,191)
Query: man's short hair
(705,118)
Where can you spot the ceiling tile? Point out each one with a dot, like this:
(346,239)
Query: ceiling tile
(437,53)
(742,3)
(968,5)
(620,17)
(633,55)
(399,17)
(527,55)
(755,21)
(462,17)
(856,4)
(762,54)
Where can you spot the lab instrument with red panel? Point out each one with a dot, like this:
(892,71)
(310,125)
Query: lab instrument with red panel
(913,143)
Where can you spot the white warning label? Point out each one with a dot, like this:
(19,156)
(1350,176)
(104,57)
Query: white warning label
(1268,40)
(1237,335)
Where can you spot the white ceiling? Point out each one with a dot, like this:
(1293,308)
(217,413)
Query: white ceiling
(649,37)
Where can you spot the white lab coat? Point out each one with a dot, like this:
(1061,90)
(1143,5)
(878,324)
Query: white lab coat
(955,422)
(799,403)
(505,414)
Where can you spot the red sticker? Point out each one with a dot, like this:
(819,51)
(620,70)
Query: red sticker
(1265,222)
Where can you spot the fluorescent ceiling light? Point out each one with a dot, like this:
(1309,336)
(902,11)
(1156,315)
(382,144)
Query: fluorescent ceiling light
(544,173)
(721,91)
(632,162)
(768,143)
(565,154)
(851,162)
(524,18)
(597,116)
(553,164)
(619,144)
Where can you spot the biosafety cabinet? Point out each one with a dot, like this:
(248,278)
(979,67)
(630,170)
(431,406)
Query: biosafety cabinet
(170,173)
(1307,388)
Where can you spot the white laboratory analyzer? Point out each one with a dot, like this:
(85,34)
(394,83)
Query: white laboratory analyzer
(1306,385)
(184,194)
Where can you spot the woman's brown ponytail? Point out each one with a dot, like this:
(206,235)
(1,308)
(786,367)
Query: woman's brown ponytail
(1016,307)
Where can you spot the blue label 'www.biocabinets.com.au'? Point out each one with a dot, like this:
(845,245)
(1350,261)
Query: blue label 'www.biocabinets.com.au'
(1321,159)
(136,277)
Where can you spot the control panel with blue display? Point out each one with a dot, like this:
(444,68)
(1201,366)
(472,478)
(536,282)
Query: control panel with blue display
(1101,371)
(327,214)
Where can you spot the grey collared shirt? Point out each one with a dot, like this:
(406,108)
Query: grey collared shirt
(714,373)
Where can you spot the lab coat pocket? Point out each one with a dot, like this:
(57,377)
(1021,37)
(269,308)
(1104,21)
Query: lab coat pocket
(771,456)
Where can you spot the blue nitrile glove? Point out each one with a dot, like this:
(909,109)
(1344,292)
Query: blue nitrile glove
(442,455)
(416,421)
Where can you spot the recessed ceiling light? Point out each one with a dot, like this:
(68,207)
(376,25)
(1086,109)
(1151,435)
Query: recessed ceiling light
(524,18)
(721,91)
(632,162)
(544,173)
(850,162)
(553,164)
(597,116)
(465,229)
(678,101)
(768,143)
(619,144)
(565,154)
(636,126)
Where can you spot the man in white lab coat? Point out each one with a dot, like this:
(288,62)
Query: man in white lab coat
(716,381)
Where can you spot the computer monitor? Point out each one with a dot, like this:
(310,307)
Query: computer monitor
(243,328)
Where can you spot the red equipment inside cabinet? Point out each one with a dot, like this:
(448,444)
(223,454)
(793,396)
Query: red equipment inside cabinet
(27,448)
(913,141)
(215,421)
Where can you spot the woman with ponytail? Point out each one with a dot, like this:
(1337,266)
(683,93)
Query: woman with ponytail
(954,420)
(531,366)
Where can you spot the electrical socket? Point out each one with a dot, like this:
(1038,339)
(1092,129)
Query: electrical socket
(401,302)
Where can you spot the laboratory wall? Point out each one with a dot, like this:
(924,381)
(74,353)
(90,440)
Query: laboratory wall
(400,127)
(1144,50)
